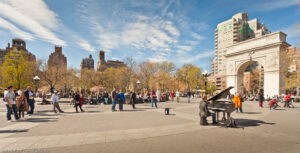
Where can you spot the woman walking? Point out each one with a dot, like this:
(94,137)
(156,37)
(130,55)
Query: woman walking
(172,95)
(78,102)
(153,98)
(22,104)
(261,99)
(238,102)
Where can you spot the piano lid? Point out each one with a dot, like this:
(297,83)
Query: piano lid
(222,94)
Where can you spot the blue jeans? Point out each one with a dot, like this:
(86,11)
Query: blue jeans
(189,99)
(106,100)
(237,109)
(113,107)
(153,100)
(10,110)
(31,105)
(121,104)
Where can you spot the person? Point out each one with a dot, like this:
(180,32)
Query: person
(11,104)
(78,102)
(238,102)
(106,97)
(133,99)
(55,102)
(114,98)
(158,95)
(287,100)
(153,99)
(273,104)
(30,100)
(22,104)
(121,98)
(172,95)
(260,99)
(189,94)
(177,96)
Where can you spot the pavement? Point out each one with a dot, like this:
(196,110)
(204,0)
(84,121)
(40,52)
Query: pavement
(148,130)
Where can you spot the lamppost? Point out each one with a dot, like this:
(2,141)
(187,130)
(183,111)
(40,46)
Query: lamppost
(36,81)
(138,83)
(242,88)
(205,75)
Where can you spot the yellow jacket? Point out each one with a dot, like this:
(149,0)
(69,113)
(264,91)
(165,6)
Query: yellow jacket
(237,101)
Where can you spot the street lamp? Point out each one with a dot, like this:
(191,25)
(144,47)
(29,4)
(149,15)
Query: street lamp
(36,81)
(205,75)
(242,85)
(138,83)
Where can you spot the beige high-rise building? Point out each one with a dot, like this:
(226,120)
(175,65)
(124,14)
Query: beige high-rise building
(232,31)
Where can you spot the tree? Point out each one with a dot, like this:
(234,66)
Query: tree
(146,70)
(51,75)
(17,70)
(128,72)
(87,79)
(189,74)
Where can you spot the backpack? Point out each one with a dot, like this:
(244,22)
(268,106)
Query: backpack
(230,122)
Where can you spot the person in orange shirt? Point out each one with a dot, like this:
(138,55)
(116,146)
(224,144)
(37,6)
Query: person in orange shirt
(238,102)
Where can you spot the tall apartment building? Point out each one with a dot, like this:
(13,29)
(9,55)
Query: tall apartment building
(229,32)
(57,58)
(87,63)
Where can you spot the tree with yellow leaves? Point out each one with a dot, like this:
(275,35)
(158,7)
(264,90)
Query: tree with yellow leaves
(17,70)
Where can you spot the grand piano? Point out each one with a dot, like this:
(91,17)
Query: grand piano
(220,103)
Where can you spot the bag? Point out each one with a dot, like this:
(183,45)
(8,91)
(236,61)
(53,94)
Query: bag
(230,122)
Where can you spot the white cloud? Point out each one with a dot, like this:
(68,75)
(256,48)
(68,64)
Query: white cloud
(84,44)
(275,4)
(33,16)
(196,57)
(197,36)
(185,48)
(13,29)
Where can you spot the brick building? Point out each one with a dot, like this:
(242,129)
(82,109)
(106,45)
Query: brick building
(87,63)
(102,65)
(219,81)
(19,44)
(57,58)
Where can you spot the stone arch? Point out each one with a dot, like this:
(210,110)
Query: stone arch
(241,68)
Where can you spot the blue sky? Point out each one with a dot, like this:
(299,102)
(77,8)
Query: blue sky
(181,31)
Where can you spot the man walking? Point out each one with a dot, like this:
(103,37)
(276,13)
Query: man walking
(11,106)
(121,98)
(177,96)
(114,98)
(189,94)
(106,97)
(30,100)
(133,99)
(55,100)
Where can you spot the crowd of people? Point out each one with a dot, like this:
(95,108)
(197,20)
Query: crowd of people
(21,101)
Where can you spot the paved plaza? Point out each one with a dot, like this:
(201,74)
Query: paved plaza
(148,130)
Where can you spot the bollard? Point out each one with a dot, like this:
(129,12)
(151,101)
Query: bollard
(167,111)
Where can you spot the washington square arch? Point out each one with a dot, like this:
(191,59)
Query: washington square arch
(266,52)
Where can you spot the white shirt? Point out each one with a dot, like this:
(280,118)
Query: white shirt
(30,95)
(177,93)
(55,98)
(11,97)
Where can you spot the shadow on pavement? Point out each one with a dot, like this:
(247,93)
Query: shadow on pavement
(135,110)
(13,131)
(251,123)
(40,120)
(252,112)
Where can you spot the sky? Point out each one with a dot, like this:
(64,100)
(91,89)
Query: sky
(179,31)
